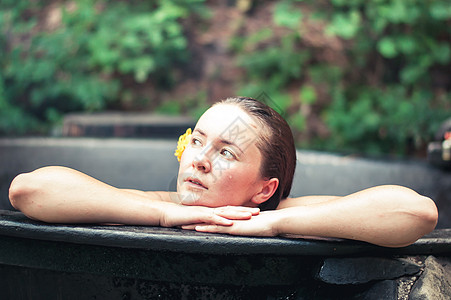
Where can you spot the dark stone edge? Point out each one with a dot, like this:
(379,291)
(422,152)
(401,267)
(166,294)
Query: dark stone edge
(15,224)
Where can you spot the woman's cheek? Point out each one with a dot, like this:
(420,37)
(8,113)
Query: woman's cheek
(185,159)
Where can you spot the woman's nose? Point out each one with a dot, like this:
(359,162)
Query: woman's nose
(202,163)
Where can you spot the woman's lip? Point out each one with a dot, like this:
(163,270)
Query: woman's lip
(196,183)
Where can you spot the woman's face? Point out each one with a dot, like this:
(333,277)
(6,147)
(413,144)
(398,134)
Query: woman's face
(221,164)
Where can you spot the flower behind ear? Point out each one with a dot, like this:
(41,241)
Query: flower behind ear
(182,143)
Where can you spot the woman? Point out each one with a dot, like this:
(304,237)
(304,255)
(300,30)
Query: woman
(240,159)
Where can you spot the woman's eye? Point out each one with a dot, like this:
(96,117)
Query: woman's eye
(227,154)
(196,142)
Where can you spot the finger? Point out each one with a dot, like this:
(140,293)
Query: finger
(233,215)
(253,210)
(189,227)
(236,213)
(194,225)
(218,220)
(211,228)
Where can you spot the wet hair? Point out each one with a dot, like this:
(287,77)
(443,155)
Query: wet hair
(276,144)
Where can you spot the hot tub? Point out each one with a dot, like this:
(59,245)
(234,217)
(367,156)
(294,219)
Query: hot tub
(59,261)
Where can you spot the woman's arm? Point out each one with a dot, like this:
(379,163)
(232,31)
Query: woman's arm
(304,200)
(391,216)
(63,195)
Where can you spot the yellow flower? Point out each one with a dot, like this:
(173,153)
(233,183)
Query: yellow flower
(184,140)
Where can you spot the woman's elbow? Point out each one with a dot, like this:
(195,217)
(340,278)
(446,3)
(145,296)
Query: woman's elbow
(422,209)
(422,220)
(20,191)
(428,213)
(17,190)
(419,217)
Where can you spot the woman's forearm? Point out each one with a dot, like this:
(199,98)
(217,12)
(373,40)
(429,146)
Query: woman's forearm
(63,195)
(390,216)
(59,194)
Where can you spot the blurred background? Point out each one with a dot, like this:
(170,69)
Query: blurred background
(371,77)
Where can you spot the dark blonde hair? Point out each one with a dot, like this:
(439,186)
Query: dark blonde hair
(276,144)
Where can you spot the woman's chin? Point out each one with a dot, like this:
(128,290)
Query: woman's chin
(189,198)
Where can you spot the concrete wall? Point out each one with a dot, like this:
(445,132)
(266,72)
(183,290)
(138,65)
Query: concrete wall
(150,165)
(140,164)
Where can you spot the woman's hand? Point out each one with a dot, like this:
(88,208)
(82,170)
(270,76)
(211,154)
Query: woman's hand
(390,216)
(263,224)
(180,215)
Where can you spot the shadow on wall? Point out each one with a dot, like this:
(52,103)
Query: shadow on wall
(151,165)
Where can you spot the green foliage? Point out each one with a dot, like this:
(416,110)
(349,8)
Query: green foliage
(150,41)
(85,61)
(194,105)
(307,94)
(374,73)
(286,15)
(408,40)
(382,120)
(382,98)
(345,24)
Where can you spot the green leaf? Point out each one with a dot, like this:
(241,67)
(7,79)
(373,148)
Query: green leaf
(258,37)
(282,101)
(386,46)
(412,73)
(345,25)
(143,66)
(298,121)
(170,108)
(407,44)
(287,15)
(308,94)
(440,10)
(442,53)
(339,2)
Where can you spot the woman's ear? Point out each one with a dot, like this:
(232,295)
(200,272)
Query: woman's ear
(268,189)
